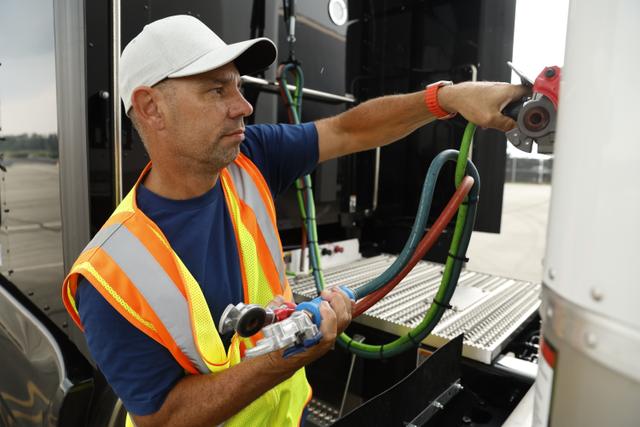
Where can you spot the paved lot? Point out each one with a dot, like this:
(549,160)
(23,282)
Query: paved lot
(30,232)
(34,252)
(516,252)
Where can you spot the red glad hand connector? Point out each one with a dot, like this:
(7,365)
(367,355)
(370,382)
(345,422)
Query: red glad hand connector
(284,311)
(548,83)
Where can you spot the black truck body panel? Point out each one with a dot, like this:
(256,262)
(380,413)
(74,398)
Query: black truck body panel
(47,376)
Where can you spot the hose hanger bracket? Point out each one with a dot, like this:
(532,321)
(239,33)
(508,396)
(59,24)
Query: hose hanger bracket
(289,12)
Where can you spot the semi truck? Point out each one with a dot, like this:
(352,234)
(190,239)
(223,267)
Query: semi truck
(68,153)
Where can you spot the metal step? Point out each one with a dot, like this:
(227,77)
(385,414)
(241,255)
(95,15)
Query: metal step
(488,309)
(320,414)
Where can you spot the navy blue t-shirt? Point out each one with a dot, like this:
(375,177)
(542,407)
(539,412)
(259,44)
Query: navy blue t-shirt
(141,371)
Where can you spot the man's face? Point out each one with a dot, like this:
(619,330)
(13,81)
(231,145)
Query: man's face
(205,117)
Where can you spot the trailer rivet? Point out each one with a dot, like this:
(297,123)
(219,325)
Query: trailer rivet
(591,339)
(596,294)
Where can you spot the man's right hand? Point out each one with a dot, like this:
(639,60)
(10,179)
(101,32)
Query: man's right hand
(336,310)
(230,390)
(342,306)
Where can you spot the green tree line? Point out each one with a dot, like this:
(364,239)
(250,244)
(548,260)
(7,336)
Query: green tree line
(29,145)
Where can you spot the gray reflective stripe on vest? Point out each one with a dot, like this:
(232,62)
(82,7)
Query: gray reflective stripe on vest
(157,288)
(250,195)
(103,234)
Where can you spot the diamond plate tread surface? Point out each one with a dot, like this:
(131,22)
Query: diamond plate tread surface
(496,310)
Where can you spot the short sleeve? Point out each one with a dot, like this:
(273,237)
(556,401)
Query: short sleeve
(139,370)
(282,152)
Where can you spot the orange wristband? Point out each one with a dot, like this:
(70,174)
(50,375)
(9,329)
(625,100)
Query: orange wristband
(431,100)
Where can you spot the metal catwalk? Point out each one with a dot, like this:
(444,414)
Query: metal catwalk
(486,308)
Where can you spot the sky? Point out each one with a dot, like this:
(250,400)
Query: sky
(538,41)
(27,73)
(539,36)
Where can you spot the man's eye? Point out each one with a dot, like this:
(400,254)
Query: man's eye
(217,90)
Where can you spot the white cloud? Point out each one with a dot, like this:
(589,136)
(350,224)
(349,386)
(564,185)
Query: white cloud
(33,114)
(539,36)
(27,73)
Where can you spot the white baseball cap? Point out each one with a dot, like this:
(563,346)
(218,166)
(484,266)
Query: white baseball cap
(180,46)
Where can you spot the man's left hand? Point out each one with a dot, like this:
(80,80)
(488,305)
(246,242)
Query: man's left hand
(482,102)
(341,304)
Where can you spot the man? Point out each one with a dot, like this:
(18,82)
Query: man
(198,230)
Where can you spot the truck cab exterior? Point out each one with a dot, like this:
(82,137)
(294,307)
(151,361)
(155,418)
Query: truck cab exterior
(67,152)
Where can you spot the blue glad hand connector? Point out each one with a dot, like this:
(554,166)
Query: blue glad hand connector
(309,342)
(312,308)
(295,333)
(348,292)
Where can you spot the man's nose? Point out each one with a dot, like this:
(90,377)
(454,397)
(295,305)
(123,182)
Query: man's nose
(240,107)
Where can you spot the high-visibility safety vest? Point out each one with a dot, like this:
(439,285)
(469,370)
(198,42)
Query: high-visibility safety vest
(130,262)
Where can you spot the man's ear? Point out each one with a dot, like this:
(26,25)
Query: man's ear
(144,101)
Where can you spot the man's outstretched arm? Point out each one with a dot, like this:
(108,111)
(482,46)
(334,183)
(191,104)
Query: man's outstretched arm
(384,120)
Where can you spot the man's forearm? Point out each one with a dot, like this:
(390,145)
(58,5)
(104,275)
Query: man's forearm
(375,123)
(384,120)
(206,400)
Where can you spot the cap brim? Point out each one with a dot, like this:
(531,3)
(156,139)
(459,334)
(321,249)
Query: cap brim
(249,57)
